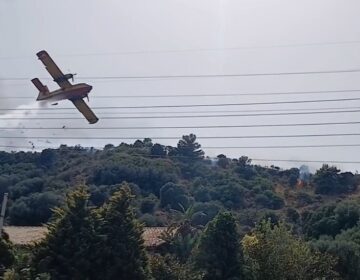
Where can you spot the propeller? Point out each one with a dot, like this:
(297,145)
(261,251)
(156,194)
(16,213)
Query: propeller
(71,75)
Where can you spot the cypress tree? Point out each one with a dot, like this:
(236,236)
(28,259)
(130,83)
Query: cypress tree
(122,248)
(66,251)
(218,253)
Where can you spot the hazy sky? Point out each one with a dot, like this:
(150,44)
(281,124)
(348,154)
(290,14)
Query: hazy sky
(147,38)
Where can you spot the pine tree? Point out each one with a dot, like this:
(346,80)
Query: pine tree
(67,250)
(218,253)
(189,148)
(122,249)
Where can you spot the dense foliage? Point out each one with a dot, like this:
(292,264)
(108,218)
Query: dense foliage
(121,246)
(271,252)
(180,188)
(218,253)
(6,252)
(68,250)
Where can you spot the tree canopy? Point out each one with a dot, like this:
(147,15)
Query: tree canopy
(175,185)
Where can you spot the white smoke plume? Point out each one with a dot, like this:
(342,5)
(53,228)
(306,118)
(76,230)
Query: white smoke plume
(11,139)
(304,173)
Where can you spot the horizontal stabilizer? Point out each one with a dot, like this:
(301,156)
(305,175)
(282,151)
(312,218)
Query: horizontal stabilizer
(39,85)
(43,90)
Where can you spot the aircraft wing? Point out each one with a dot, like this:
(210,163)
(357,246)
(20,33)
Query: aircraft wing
(53,69)
(85,110)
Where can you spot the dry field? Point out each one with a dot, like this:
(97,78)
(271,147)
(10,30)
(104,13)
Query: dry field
(25,235)
(28,235)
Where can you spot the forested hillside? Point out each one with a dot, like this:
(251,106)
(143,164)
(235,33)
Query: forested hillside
(173,186)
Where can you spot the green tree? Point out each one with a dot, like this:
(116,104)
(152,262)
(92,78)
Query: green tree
(21,266)
(148,204)
(189,148)
(223,161)
(173,195)
(329,180)
(121,251)
(158,150)
(47,158)
(6,252)
(27,187)
(232,195)
(204,212)
(166,268)
(34,209)
(244,168)
(218,254)
(68,249)
(269,200)
(271,252)
(346,248)
(331,219)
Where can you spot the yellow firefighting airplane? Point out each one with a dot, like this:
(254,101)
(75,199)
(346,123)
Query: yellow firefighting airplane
(75,93)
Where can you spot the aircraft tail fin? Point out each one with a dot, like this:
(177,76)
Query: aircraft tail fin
(43,90)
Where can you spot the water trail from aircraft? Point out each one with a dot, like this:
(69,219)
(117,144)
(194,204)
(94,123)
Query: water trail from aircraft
(27,111)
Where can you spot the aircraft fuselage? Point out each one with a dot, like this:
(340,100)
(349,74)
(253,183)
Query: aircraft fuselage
(77,91)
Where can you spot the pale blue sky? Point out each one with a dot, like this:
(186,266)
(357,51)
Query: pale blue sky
(107,38)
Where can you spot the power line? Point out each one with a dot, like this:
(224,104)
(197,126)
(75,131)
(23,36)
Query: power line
(195,105)
(174,137)
(180,117)
(190,112)
(221,75)
(204,95)
(221,147)
(180,127)
(199,75)
(191,50)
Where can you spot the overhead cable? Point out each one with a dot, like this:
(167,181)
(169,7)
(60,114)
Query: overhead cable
(181,117)
(203,95)
(75,113)
(180,127)
(218,147)
(164,51)
(175,137)
(194,105)
(125,77)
